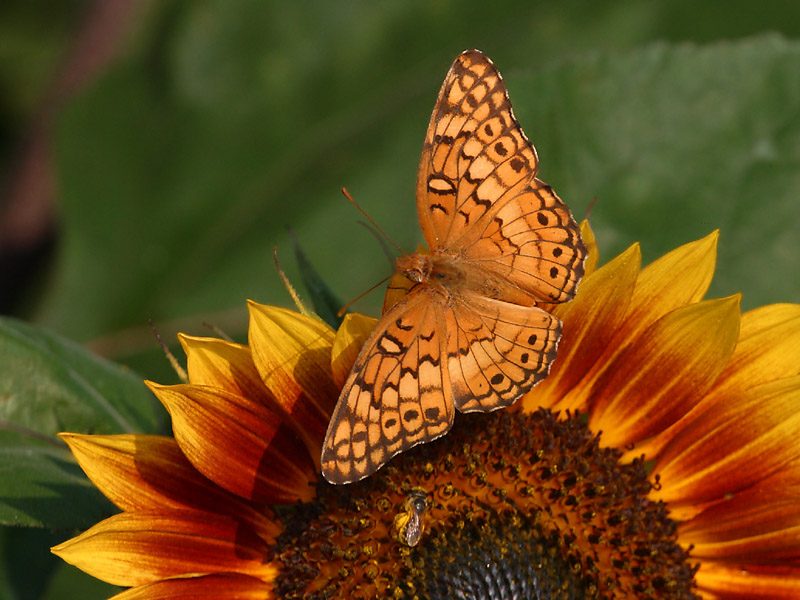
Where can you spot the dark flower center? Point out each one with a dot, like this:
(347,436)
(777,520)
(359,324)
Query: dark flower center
(477,558)
(507,505)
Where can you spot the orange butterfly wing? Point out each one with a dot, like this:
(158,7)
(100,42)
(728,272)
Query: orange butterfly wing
(477,194)
(483,212)
(397,394)
(496,351)
(425,358)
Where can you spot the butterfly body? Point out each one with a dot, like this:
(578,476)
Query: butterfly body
(453,276)
(461,328)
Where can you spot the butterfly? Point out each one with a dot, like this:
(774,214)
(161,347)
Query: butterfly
(466,333)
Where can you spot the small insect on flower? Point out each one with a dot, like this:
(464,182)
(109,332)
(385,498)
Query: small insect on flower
(409,524)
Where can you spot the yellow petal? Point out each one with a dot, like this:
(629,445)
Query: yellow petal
(292,353)
(226,365)
(655,381)
(589,323)
(131,549)
(676,279)
(768,349)
(351,335)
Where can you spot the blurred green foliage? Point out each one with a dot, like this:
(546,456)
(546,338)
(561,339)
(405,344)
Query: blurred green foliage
(222,123)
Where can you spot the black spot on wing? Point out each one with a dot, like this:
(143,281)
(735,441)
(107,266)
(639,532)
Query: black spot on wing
(517,164)
(432,413)
(410,415)
(429,337)
(399,324)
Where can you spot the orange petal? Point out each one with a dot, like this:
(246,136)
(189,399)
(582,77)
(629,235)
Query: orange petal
(655,381)
(243,447)
(589,323)
(733,445)
(741,582)
(131,549)
(350,336)
(292,353)
(144,472)
(222,586)
(217,363)
(760,525)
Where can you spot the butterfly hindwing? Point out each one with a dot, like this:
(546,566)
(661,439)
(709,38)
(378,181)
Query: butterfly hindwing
(530,239)
(397,394)
(497,351)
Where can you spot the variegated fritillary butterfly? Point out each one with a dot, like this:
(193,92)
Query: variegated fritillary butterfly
(467,335)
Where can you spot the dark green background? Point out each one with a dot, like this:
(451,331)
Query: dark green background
(222,123)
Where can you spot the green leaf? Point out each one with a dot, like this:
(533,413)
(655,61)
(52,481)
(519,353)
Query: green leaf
(186,177)
(51,385)
(674,142)
(326,304)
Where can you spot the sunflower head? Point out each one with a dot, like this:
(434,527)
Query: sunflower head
(628,473)
(507,501)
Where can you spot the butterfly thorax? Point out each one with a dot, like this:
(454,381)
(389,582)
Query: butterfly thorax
(453,275)
(436,270)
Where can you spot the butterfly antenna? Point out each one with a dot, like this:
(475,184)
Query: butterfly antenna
(176,366)
(387,253)
(589,208)
(374,224)
(360,296)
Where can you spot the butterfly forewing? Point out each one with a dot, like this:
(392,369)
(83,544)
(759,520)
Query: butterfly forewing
(396,396)
(474,151)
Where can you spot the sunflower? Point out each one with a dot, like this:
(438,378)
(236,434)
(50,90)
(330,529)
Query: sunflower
(660,459)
